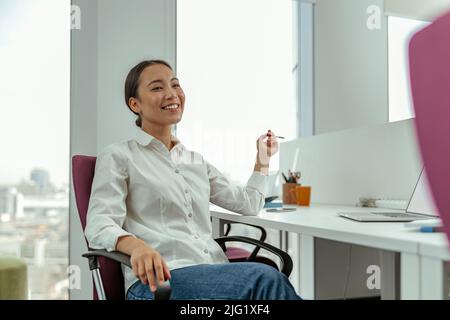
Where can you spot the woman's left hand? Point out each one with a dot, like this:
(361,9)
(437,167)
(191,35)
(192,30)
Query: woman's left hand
(267,148)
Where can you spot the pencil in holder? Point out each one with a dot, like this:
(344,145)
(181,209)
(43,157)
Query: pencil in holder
(289,193)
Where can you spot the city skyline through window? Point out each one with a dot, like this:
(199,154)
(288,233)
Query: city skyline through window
(34,138)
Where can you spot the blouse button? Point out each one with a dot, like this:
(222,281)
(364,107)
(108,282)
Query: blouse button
(177,171)
(205,251)
(190,215)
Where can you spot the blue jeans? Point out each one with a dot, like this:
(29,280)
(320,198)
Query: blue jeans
(229,281)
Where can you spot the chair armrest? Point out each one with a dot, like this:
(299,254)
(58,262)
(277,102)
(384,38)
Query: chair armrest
(262,237)
(162,293)
(286,260)
(263,231)
(113,255)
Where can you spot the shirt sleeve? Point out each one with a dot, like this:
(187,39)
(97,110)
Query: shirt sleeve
(107,206)
(246,200)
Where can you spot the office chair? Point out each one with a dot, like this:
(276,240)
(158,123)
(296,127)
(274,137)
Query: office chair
(237,254)
(429,59)
(106,266)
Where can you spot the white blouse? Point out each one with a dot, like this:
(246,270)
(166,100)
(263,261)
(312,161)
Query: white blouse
(162,197)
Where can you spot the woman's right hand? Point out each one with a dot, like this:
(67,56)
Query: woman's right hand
(149,266)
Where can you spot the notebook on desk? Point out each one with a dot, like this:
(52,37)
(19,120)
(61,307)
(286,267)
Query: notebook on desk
(420,207)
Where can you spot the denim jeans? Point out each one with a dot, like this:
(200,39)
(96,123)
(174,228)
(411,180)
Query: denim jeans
(229,281)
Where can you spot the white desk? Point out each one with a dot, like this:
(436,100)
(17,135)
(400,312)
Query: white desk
(434,266)
(421,254)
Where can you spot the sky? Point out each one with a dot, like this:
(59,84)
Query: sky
(34,89)
(400,33)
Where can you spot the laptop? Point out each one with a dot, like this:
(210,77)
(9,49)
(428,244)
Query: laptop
(420,207)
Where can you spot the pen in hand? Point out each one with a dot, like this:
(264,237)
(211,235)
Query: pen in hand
(270,131)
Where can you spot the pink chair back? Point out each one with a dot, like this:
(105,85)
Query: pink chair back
(83,168)
(429,53)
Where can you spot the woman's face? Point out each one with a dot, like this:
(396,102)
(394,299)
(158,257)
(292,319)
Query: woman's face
(160,98)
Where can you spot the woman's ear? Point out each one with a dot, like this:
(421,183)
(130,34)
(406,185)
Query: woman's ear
(134,105)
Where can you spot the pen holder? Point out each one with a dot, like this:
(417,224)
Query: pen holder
(303,195)
(289,193)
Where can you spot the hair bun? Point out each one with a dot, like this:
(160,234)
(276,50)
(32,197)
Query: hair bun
(139,122)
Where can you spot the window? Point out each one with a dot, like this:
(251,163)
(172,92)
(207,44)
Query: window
(235,60)
(34,140)
(400,32)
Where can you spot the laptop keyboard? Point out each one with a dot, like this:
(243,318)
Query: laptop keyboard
(396,215)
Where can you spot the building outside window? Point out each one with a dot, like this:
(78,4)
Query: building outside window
(34,140)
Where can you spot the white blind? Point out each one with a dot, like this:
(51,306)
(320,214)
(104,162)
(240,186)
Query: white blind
(416,9)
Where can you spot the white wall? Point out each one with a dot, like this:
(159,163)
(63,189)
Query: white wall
(83,126)
(114,36)
(379,161)
(305,15)
(351,66)
(128,32)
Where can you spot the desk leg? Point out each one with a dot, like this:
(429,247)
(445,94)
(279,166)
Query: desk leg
(390,278)
(409,276)
(284,240)
(432,279)
(305,261)
(217,227)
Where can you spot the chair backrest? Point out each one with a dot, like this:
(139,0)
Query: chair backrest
(429,54)
(83,168)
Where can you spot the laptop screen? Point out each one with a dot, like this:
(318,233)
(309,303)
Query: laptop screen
(421,201)
(273,184)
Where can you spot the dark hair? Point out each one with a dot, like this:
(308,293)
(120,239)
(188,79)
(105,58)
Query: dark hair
(132,82)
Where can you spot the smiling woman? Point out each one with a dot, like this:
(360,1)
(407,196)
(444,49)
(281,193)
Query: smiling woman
(147,205)
(152,88)
(152,92)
